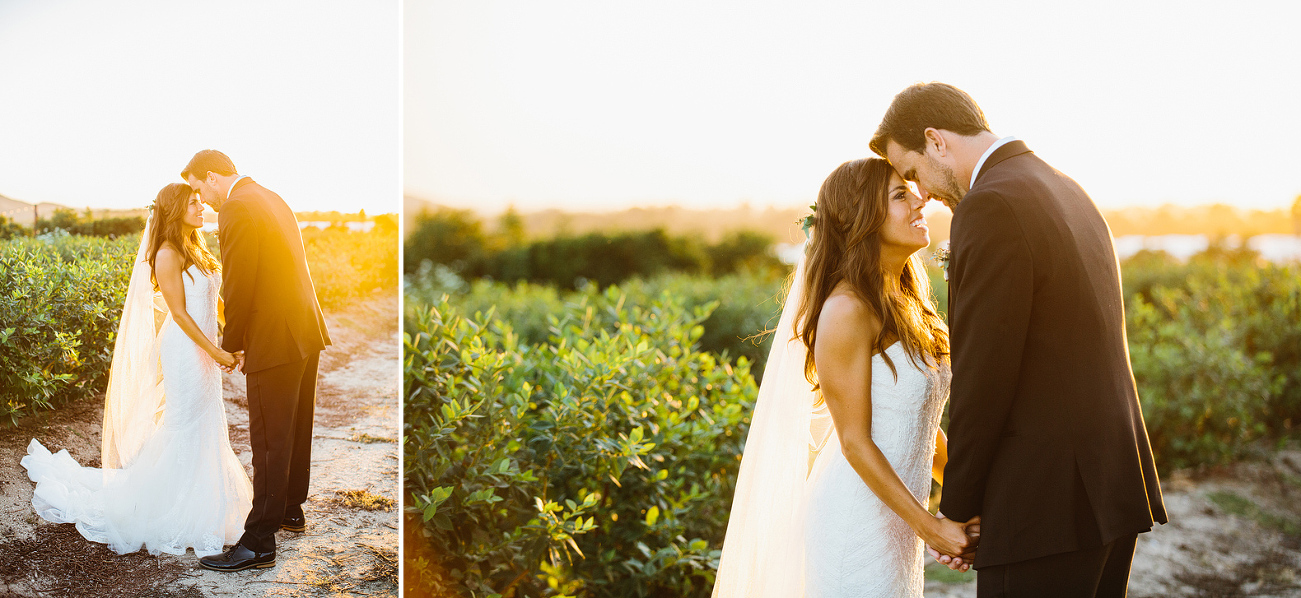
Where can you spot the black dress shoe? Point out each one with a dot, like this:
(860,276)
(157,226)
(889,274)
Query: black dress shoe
(294,524)
(238,558)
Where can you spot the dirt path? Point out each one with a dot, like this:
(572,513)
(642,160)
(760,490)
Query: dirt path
(350,546)
(1234,531)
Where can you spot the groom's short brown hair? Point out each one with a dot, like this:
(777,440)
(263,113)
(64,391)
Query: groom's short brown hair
(927,105)
(208,161)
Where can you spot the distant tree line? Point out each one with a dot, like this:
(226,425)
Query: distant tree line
(457,240)
(86,224)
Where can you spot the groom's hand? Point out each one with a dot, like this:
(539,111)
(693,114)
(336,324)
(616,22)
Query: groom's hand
(239,361)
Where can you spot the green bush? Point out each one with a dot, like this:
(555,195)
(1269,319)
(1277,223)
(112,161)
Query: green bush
(598,463)
(59,309)
(1216,348)
(535,381)
(61,298)
(747,304)
(347,265)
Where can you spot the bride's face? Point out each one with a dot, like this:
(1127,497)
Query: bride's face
(193,212)
(904,229)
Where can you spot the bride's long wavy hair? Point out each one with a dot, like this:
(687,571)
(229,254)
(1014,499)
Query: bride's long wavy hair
(169,210)
(846,246)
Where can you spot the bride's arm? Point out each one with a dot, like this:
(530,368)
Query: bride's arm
(844,365)
(941,456)
(167,270)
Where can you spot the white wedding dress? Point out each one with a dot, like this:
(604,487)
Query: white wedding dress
(803,523)
(184,487)
(855,545)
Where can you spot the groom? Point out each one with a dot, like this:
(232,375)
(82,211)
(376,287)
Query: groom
(275,327)
(1046,437)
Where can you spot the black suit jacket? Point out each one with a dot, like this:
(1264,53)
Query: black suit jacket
(271,309)
(1046,436)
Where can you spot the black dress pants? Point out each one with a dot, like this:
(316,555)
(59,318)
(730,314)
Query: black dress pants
(281,402)
(1098,572)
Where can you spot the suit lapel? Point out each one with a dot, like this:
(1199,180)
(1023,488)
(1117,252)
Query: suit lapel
(1007,150)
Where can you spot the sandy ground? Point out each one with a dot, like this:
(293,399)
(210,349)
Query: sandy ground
(350,546)
(1234,531)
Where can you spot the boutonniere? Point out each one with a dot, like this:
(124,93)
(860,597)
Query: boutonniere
(941,256)
(807,222)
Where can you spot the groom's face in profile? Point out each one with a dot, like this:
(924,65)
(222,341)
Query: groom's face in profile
(206,191)
(934,178)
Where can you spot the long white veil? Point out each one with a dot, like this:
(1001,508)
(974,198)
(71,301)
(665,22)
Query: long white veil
(763,552)
(133,404)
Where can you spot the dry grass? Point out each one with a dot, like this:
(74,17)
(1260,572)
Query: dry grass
(363,499)
(373,568)
(368,439)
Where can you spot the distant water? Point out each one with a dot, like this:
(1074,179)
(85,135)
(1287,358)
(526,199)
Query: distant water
(1275,248)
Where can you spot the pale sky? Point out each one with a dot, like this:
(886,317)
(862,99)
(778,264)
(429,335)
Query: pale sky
(105,102)
(589,105)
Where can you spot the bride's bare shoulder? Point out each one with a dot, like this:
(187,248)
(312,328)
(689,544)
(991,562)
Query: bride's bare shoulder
(168,257)
(846,315)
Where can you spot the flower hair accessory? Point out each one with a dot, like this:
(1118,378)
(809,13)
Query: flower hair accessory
(807,222)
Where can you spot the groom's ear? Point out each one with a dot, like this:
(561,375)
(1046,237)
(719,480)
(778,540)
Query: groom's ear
(935,141)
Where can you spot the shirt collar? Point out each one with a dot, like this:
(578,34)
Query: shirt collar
(242,177)
(985,156)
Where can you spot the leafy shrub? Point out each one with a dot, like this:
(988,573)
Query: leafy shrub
(1216,349)
(747,304)
(1201,393)
(598,463)
(61,298)
(347,265)
(524,401)
(59,311)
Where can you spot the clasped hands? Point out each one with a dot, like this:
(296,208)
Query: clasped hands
(954,544)
(236,362)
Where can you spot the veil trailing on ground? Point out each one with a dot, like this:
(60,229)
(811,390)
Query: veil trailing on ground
(133,404)
(763,552)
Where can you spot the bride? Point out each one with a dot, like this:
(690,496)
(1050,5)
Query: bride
(170,480)
(831,496)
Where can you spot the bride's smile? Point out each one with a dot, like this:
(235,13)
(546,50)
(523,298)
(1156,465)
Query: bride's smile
(904,231)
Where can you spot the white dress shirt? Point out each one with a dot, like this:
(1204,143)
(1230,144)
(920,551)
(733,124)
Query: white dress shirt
(985,156)
(244,176)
